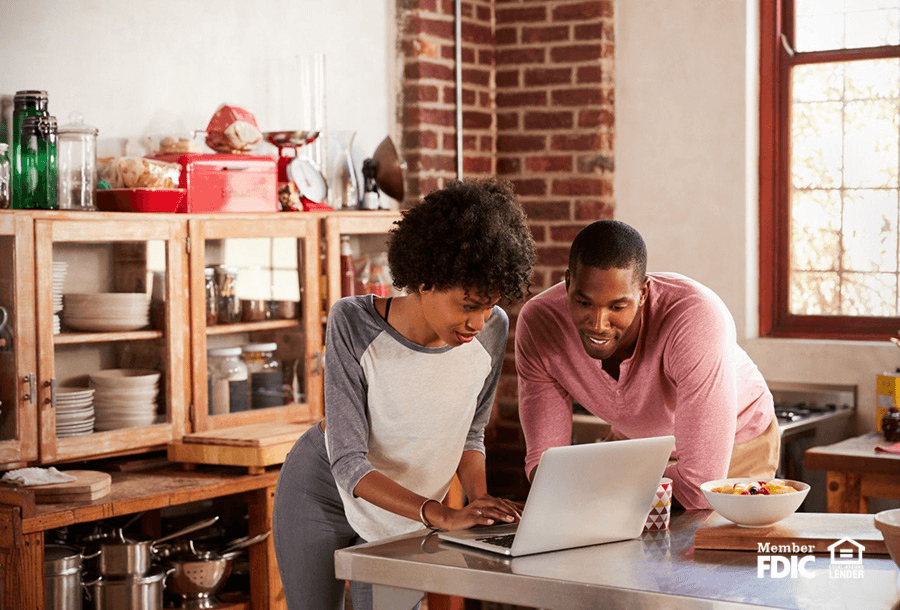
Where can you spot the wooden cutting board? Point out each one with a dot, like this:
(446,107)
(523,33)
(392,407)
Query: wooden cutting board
(819,530)
(253,435)
(88,485)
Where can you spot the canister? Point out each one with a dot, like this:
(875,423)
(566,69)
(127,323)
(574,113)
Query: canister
(266,380)
(77,164)
(62,577)
(228,309)
(212,296)
(228,387)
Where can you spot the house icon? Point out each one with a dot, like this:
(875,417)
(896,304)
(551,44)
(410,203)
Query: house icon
(849,553)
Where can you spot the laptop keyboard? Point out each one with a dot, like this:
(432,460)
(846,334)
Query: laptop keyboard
(504,540)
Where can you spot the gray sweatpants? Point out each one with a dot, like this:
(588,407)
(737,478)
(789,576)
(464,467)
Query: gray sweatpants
(308,526)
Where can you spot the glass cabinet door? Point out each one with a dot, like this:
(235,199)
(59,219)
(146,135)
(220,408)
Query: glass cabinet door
(365,235)
(112,313)
(18,366)
(256,338)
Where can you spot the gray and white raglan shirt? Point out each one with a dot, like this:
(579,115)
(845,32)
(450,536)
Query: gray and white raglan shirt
(405,410)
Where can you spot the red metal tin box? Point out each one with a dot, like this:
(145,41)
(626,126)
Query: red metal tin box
(226,183)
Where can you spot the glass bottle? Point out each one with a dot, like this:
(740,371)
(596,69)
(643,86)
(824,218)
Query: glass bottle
(379,285)
(25,104)
(77,164)
(266,380)
(228,388)
(36,166)
(4,177)
(348,274)
(212,296)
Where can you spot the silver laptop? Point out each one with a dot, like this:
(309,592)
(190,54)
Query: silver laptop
(581,495)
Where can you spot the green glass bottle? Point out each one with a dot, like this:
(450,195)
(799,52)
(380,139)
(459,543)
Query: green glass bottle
(38,180)
(25,104)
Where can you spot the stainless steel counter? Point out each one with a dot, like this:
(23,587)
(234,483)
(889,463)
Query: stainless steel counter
(655,571)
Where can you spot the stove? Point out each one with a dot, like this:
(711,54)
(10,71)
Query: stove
(811,415)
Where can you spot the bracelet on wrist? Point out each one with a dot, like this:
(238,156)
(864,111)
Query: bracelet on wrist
(422,517)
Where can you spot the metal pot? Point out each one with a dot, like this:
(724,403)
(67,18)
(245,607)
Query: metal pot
(144,592)
(62,577)
(129,556)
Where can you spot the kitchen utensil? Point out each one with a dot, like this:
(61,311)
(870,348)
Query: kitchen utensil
(815,531)
(132,555)
(197,575)
(243,543)
(310,183)
(888,523)
(62,577)
(141,200)
(141,592)
(754,510)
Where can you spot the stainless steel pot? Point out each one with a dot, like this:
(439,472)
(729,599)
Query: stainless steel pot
(144,592)
(62,577)
(122,556)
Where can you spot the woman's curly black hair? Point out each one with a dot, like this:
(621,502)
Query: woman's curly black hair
(470,234)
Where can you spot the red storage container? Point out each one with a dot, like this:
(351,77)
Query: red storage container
(226,183)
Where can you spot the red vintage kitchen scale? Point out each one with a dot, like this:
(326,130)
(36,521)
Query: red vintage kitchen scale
(298,170)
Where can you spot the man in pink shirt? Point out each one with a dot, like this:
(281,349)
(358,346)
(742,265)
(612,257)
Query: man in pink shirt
(651,354)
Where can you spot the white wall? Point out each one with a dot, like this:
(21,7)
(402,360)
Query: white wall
(134,68)
(686,173)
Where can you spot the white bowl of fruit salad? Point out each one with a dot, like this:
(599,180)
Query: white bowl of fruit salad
(754,502)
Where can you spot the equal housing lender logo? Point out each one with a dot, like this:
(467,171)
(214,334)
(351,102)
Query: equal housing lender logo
(796,560)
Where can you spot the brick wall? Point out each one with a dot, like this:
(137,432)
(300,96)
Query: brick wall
(538,93)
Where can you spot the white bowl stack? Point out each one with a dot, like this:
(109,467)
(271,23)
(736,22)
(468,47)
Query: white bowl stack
(74,411)
(60,269)
(124,398)
(107,311)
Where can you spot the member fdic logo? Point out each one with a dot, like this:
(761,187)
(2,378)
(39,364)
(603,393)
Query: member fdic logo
(797,560)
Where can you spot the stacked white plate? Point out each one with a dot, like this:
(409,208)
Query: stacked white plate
(124,398)
(107,311)
(74,411)
(60,269)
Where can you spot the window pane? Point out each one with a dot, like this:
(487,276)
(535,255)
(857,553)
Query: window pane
(814,294)
(845,210)
(846,24)
(817,134)
(870,231)
(816,230)
(869,294)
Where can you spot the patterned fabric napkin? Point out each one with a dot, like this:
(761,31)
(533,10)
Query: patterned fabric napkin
(36,476)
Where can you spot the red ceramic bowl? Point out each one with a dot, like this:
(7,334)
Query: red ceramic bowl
(141,200)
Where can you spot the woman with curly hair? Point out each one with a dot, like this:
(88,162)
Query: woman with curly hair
(409,384)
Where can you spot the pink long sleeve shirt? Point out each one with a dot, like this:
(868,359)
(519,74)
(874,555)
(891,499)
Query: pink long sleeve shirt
(687,377)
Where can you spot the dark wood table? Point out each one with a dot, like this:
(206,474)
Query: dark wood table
(23,523)
(856,472)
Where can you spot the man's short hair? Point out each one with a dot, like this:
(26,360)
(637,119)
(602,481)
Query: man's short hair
(609,244)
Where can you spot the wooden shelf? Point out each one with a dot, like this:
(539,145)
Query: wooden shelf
(72,338)
(248,327)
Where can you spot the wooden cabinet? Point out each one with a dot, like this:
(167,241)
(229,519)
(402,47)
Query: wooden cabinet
(277,255)
(368,232)
(18,359)
(292,259)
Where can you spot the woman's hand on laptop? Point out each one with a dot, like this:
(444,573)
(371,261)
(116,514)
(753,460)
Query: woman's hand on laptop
(485,510)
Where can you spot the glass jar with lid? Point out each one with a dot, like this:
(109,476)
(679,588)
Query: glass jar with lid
(266,380)
(29,103)
(228,387)
(77,164)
